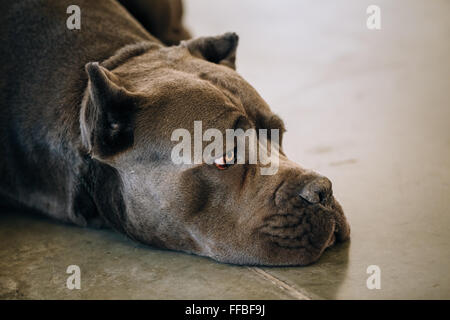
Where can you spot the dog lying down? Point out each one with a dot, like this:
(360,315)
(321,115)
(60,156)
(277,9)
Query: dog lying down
(87,133)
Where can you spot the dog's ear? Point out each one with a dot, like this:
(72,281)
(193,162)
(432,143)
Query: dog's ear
(220,49)
(107,114)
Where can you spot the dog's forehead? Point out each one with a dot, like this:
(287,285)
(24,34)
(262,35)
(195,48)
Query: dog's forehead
(185,89)
(179,100)
(236,88)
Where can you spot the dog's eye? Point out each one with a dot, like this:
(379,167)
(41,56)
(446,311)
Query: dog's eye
(225,161)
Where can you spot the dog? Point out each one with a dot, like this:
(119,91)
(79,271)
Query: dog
(85,129)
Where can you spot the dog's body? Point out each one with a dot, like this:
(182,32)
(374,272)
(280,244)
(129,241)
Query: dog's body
(42,84)
(92,146)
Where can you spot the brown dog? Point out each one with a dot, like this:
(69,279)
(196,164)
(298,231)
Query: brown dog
(86,124)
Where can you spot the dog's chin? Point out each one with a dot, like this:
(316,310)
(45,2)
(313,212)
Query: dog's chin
(306,232)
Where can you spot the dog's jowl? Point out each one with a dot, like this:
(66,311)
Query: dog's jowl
(86,123)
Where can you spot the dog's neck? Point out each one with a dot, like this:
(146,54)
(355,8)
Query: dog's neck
(128,52)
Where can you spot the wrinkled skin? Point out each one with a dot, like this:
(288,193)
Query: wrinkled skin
(120,143)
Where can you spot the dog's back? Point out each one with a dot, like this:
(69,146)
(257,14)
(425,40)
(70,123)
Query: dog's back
(42,80)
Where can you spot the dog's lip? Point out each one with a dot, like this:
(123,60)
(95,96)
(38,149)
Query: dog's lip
(332,240)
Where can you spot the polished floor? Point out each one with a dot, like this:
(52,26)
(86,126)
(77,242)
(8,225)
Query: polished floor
(368,108)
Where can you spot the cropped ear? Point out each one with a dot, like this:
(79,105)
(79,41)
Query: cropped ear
(107,114)
(220,49)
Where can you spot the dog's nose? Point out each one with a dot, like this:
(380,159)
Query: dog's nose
(317,190)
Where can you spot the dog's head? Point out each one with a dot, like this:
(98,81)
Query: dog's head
(221,208)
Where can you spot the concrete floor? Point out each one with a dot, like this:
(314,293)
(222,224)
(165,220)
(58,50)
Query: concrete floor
(369,109)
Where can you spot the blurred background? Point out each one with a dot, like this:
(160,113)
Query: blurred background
(370,109)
